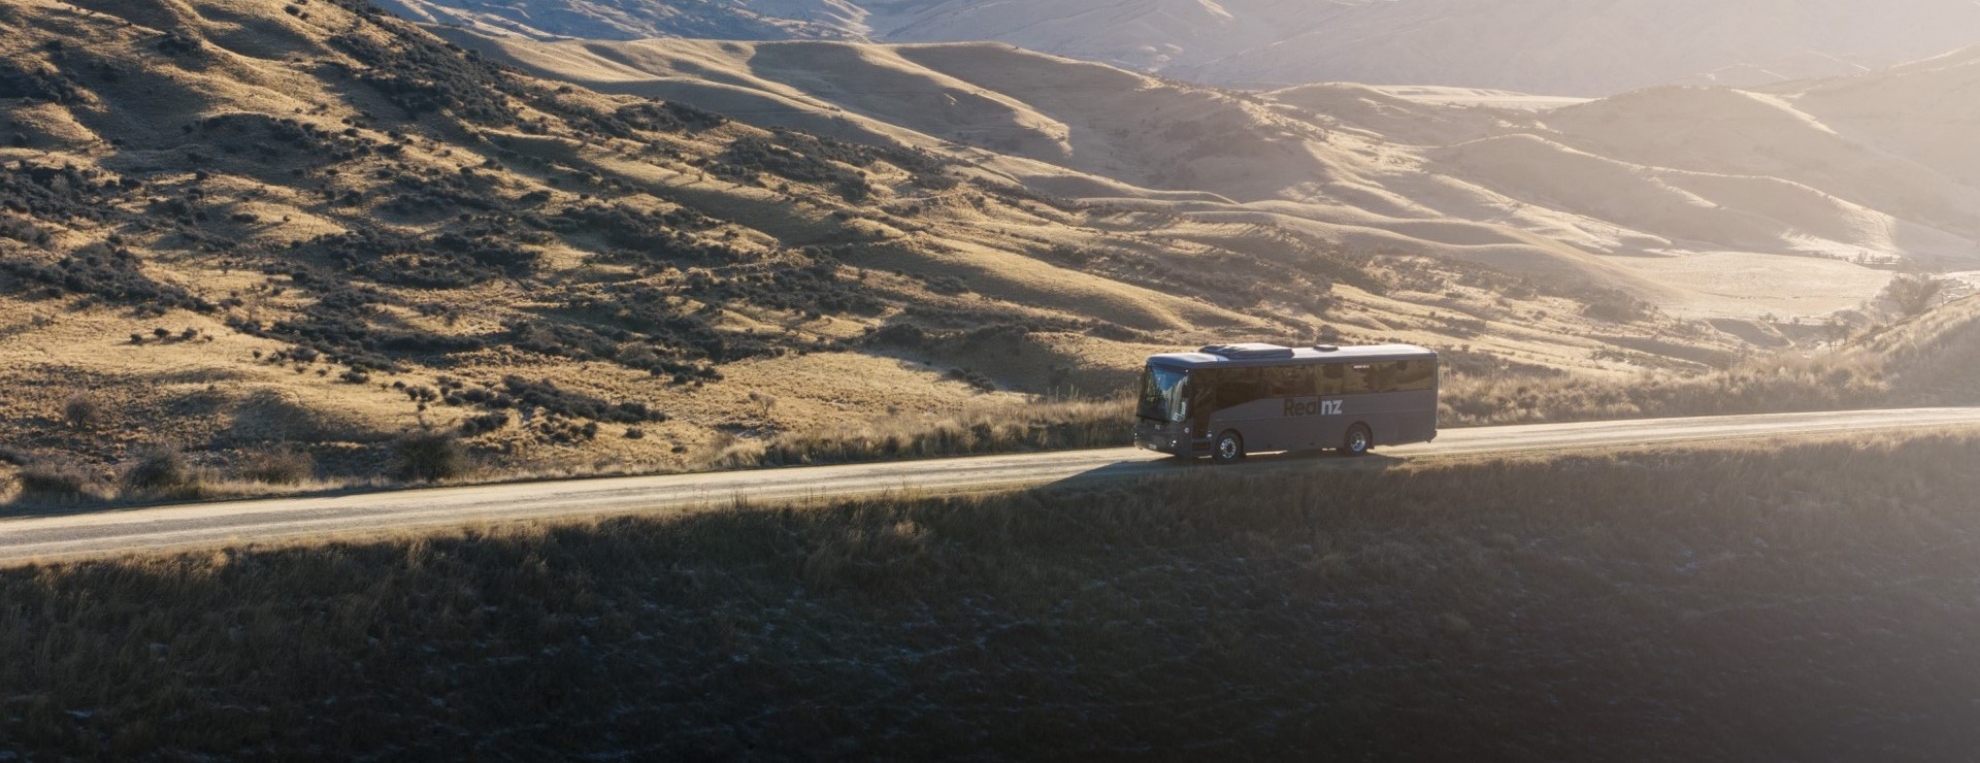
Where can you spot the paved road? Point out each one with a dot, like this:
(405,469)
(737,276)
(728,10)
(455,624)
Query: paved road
(109,533)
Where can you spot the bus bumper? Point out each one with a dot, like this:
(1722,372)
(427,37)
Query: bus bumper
(1161,440)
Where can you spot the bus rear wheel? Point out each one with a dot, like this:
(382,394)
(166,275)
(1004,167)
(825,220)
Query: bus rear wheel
(1229,448)
(1358,441)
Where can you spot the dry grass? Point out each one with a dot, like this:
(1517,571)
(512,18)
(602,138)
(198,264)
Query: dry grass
(980,429)
(1924,361)
(280,465)
(1775,602)
(164,476)
(1929,360)
(43,484)
(330,255)
(1825,381)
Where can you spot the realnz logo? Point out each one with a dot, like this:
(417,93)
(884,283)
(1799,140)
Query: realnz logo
(1313,408)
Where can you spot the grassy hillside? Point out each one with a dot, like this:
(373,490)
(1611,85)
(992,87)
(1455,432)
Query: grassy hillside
(316,223)
(257,233)
(1530,45)
(1749,601)
(1654,192)
(251,231)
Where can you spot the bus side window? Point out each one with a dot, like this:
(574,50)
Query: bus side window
(1238,386)
(1203,386)
(1359,378)
(1382,376)
(1416,376)
(1202,391)
(1289,381)
(1333,380)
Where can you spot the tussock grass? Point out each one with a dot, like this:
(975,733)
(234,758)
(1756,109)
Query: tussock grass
(42,484)
(279,465)
(165,474)
(1929,360)
(1777,385)
(1748,602)
(998,428)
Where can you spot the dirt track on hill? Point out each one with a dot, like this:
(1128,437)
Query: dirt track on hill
(110,533)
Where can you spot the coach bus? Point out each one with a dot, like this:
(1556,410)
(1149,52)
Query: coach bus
(1230,400)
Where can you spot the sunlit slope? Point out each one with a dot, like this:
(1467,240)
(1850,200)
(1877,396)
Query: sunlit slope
(1684,208)
(1924,112)
(1085,131)
(1594,49)
(1745,133)
(1533,186)
(615,19)
(1545,46)
(323,225)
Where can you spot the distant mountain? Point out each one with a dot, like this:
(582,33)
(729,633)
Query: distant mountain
(636,19)
(1545,46)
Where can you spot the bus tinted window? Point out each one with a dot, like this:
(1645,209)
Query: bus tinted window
(1359,379)
(1416,376)
(1216,389)
(1159,400)
(1333,380)
(1382,376)
(1290,381)
(1237,386)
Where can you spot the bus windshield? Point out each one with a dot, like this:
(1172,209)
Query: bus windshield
(1161,397)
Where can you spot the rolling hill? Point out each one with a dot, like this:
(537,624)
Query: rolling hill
(228,226)
(236,227)
(1654,192)
(1547,46)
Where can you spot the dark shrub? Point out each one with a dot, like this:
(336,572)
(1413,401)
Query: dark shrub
(58,483)
(285,465)
(82,412)
(1616,306)
(487,422)
(1914,294)
(949,285)
(977,379)
(428,456)
(905,335)
(160,470)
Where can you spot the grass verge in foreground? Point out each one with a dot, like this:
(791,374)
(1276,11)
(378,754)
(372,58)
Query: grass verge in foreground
(1797,603)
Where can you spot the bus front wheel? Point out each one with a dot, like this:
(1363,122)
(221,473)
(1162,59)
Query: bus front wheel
(1358,441)
(1229,448)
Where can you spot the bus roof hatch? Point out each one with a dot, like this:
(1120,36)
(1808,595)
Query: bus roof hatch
(1249,351)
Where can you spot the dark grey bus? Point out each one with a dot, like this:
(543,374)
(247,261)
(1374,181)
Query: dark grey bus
(1230,400)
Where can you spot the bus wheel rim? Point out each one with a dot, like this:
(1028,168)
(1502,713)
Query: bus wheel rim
(1357,441)
(1227,447)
